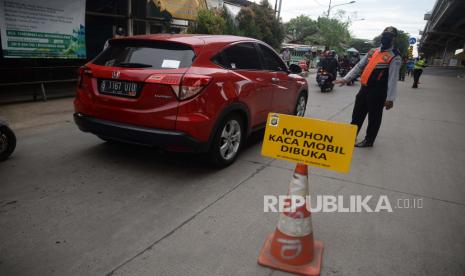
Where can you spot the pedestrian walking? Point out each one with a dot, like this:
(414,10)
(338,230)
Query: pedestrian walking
(418,70)
(410,65)
(286,55)
(379,72)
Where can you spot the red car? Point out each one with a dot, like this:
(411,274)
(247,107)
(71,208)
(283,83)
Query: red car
(201,93)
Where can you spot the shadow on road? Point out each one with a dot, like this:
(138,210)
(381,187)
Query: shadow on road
(143,158)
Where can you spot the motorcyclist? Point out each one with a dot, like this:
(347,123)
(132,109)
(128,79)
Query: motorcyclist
(345,63)
(330,64)
(354,59)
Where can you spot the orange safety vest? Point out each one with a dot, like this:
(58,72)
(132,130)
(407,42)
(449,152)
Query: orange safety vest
(378,61)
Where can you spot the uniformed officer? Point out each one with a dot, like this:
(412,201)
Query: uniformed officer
(418,70)
(380,70)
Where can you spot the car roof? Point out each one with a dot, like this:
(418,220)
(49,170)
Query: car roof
(191,39)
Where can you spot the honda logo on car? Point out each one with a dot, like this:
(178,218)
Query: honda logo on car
(115,74)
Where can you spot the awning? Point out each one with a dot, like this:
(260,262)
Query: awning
(353,50)
(181,9)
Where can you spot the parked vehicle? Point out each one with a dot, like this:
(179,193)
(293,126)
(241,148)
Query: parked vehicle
(7,141)
(186,92)
(325,80)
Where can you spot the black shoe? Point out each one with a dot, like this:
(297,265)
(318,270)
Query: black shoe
(364,144)
(415,86)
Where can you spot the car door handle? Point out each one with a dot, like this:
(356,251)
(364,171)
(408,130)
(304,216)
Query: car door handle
(259,79)
(274,79)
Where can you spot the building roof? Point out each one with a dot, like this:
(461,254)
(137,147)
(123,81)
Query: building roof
(242,3)
(445,26)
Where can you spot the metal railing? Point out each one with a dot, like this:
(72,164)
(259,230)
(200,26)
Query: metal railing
(40,83)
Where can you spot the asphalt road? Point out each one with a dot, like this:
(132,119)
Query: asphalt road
(71,204)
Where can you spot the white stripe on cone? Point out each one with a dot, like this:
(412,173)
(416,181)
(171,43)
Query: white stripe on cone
(298,185)
(295,227)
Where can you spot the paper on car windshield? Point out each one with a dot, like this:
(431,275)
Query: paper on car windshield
(169,63)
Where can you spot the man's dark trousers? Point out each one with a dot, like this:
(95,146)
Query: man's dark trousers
(369,100)
(416,76)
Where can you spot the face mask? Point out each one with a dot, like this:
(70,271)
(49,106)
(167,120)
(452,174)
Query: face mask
(386,42)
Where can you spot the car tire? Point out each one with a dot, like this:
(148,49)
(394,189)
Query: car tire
(7,143)
(227,141)
(301,102)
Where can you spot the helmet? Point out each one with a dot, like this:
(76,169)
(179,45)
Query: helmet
(390,31)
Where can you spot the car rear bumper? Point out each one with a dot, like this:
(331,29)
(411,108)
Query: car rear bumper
(171,140)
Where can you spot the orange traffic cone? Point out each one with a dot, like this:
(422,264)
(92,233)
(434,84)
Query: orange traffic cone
(291,247)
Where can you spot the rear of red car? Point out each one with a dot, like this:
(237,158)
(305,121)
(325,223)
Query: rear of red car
(132,92)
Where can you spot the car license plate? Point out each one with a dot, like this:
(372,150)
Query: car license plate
(119,88)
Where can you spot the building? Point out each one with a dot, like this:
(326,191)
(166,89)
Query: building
(444,33)
(34,58)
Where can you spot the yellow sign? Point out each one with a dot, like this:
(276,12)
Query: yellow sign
(317,143)
(410,52)
(181,9)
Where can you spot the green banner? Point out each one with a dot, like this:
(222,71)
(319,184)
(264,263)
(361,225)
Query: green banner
(43,28)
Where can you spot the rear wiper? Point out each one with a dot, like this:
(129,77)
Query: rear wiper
(134,65)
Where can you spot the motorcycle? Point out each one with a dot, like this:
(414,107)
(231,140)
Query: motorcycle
(7,141)
(325,80)
(343,72)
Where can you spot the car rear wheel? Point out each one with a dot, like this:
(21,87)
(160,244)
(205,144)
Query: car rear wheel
(227,141)
(7,142)
(301,105)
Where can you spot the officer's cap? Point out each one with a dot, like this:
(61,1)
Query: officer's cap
(390,30)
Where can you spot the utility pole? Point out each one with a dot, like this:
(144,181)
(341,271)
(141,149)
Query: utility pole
(279,10)
(329,9)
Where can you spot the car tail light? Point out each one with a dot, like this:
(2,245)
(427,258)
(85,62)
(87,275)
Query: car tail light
(83,71)
(184,87)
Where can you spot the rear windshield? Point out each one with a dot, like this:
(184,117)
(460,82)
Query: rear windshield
(146,54)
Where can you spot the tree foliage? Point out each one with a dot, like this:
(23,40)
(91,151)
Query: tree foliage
(301,29)
(257,21)
(362,45)
(260,22)
(209,22)
(331,32)
(335,33)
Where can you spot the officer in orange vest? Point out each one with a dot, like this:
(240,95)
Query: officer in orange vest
(380,70)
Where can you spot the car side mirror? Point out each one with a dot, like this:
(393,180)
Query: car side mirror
(295,69)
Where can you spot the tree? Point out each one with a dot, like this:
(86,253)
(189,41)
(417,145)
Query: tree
(400,43)
(209,22)
(362,45)
(331,32)
(260,22)
(301,29)
(335,33)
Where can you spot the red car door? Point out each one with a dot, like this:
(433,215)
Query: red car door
(252,84)
(283,87)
